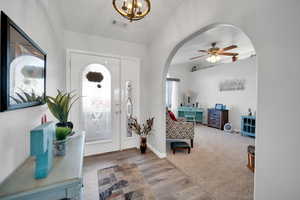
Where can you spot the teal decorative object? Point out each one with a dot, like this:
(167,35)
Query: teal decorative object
(41,146)
(248,125)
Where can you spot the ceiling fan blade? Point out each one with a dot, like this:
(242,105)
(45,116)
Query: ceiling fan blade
(197,57)
(203,51)
(228,54)
(229,47)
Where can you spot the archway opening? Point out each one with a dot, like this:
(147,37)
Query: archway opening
(211,97)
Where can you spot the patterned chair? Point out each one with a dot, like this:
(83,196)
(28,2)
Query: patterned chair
(179,129)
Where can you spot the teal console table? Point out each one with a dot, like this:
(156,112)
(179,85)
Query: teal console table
(191,114)
(63,181)
(248,125)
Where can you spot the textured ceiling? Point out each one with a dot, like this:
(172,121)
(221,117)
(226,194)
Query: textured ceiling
(95,17)
(224,36)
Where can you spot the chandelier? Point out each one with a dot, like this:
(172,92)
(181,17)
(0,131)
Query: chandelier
(132,10)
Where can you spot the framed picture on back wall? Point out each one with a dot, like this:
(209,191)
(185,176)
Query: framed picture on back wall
(23,68)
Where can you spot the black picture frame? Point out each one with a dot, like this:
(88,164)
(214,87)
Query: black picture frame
(5,59)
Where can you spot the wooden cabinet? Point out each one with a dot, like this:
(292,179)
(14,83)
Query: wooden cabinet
(217,118)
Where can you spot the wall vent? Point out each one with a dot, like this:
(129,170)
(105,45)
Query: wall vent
(198,67)
(119,23)
(195,68)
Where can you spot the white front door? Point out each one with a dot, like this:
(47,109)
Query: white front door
(97,80)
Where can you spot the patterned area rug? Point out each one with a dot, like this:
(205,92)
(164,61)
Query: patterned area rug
(123,182)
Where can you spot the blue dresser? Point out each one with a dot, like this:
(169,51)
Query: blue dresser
(191,114)
(248,125)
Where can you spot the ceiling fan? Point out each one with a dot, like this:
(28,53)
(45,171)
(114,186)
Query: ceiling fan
(215,53)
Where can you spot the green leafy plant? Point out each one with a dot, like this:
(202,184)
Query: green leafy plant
(62,133)
(61,105)
(26,97)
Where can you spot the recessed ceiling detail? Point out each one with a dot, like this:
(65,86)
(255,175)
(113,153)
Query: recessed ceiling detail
(221,36)
(94,17)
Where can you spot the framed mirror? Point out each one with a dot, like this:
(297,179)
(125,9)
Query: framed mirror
(23,68)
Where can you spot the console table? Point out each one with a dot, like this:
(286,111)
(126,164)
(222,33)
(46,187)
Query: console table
(63,181)
(191,114)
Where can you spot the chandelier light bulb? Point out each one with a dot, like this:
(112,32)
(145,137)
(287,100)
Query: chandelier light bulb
(139,4)
(129,6)
(124,7)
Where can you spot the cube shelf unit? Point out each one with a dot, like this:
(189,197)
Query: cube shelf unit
(248,125)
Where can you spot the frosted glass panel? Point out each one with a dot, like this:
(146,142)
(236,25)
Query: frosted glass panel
(129,107)
(96,103)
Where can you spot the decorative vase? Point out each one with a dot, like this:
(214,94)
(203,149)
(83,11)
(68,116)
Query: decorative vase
(143,145)
(65,124)
(60,147)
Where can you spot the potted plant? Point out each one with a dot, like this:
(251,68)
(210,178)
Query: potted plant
(60,142)
(60,107)
(143,131)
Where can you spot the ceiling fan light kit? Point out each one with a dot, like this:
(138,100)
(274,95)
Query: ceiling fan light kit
(132,10)
(213,58)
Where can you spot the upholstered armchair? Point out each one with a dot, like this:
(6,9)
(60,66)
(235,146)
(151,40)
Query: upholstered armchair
(179,129)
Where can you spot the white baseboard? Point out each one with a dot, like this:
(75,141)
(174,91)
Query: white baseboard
(159,154)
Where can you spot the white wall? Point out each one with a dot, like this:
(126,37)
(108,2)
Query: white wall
(40,20)
(98,44)
(205,83)
(274,29)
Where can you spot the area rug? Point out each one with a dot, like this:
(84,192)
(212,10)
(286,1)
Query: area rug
(123,182)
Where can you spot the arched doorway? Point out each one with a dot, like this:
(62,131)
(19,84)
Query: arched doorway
(204,160)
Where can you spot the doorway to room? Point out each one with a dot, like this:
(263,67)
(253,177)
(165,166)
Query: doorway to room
(97,79)
(211,80)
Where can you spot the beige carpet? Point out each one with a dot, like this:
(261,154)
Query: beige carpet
(217,164)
